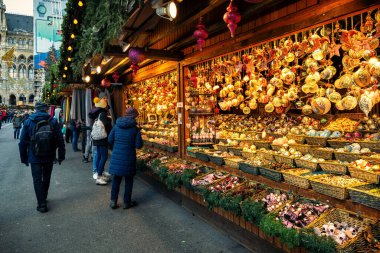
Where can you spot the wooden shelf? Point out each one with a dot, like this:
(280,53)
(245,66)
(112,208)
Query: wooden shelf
(201,113)
(202,144)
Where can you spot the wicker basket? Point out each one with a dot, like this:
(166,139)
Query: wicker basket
(372,145)
(338,215)
(271,174)
(248,168)
(345,156)
(276,147)
(284,159)
(333,167)
(233,162)
(362,195)
(307,164)
(202,156)
(262,144)
(338,143)
(322,153)
(303,148)
(319,141)
(246,154)
(329,190)
(172,149)
(364,175)
(296,180)
(235,150)
(371,159)
(217,160)
(223,148)
(298,138)
(268,156)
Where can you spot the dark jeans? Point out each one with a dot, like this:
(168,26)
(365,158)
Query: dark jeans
(68,135)
(41,173)
(101,158)
(16,133)
(75,139)
(84,141)
(116,181)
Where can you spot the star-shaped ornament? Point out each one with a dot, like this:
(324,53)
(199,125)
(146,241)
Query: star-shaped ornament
(334,50)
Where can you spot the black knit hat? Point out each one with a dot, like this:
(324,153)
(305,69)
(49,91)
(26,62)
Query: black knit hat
(41,106)
(131,112)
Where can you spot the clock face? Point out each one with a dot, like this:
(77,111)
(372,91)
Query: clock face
(41,9)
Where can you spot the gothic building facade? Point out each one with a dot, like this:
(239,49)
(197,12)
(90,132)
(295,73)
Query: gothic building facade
(17,74)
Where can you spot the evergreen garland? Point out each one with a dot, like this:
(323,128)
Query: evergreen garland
(252,211)
(187,176)
(316,244)
(231,203)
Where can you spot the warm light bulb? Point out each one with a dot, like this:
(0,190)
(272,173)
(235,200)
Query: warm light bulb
(75,21)
(69,59)
(72,36)
(64,76)
(172,10)
(98,69)
(80,3)
(87,79)
(69,48)
(65,68)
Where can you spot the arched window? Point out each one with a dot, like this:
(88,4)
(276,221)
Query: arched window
(30,59)
(22,71)
(13,71)
(31,98)
(30,72)
(22,98)
(10,40)
(14,40)
(24,42)
(21,59)
(12,99)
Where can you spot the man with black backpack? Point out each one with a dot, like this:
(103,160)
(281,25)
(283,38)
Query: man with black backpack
(40,138)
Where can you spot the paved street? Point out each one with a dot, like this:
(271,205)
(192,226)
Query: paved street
(80,220)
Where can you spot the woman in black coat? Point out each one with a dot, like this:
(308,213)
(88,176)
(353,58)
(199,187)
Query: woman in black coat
(124,138)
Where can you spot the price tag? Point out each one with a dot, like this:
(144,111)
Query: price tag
(179,104)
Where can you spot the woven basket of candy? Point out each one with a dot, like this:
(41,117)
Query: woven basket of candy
(201,182)
(334,167)
(345,228)
(284,159)
(369,176)
(266,154)
(368,195)
(223,148)
(347,156)
(235,150)
(233,162)
(273,200)
(336,143)
(294,177)
(323,153)
(276,147)
(372,145)
(334,185)
(262,144)
(303,148)
(298,138)
(307,164)
(247,154)
(318,141)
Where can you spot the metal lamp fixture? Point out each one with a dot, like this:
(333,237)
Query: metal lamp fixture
(167,10)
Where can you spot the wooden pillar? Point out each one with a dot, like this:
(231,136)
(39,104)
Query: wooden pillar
(181,110)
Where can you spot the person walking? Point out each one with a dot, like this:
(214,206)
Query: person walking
(124,139)
(83,130)
(75,128)
(99,135)
(17,124)
(39,140)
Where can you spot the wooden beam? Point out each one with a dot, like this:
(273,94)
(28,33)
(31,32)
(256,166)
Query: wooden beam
(153,54)
(323,13)
(161,69)
(115,67)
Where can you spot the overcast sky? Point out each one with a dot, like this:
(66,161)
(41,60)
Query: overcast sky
(19,6)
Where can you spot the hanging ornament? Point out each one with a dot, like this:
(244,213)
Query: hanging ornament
(136,55)
(105,83)
(194,79)
(232,17)
(115,77)
(200,34)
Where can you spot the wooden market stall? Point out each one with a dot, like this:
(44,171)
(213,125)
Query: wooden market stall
(287,84)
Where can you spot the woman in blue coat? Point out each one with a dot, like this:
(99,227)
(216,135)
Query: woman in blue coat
(124,138)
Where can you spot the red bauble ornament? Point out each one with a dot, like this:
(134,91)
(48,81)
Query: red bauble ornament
(232,17)
(54,86)
(136,55)
(194,79)
(105,83)
(115,77)
(200,34)
(134,67)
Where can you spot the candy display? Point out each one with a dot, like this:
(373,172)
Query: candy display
(342,125)
(365,165)
(227,184)
(339,231)
(208,179)
(273,201)
(298,215)
(340,181)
